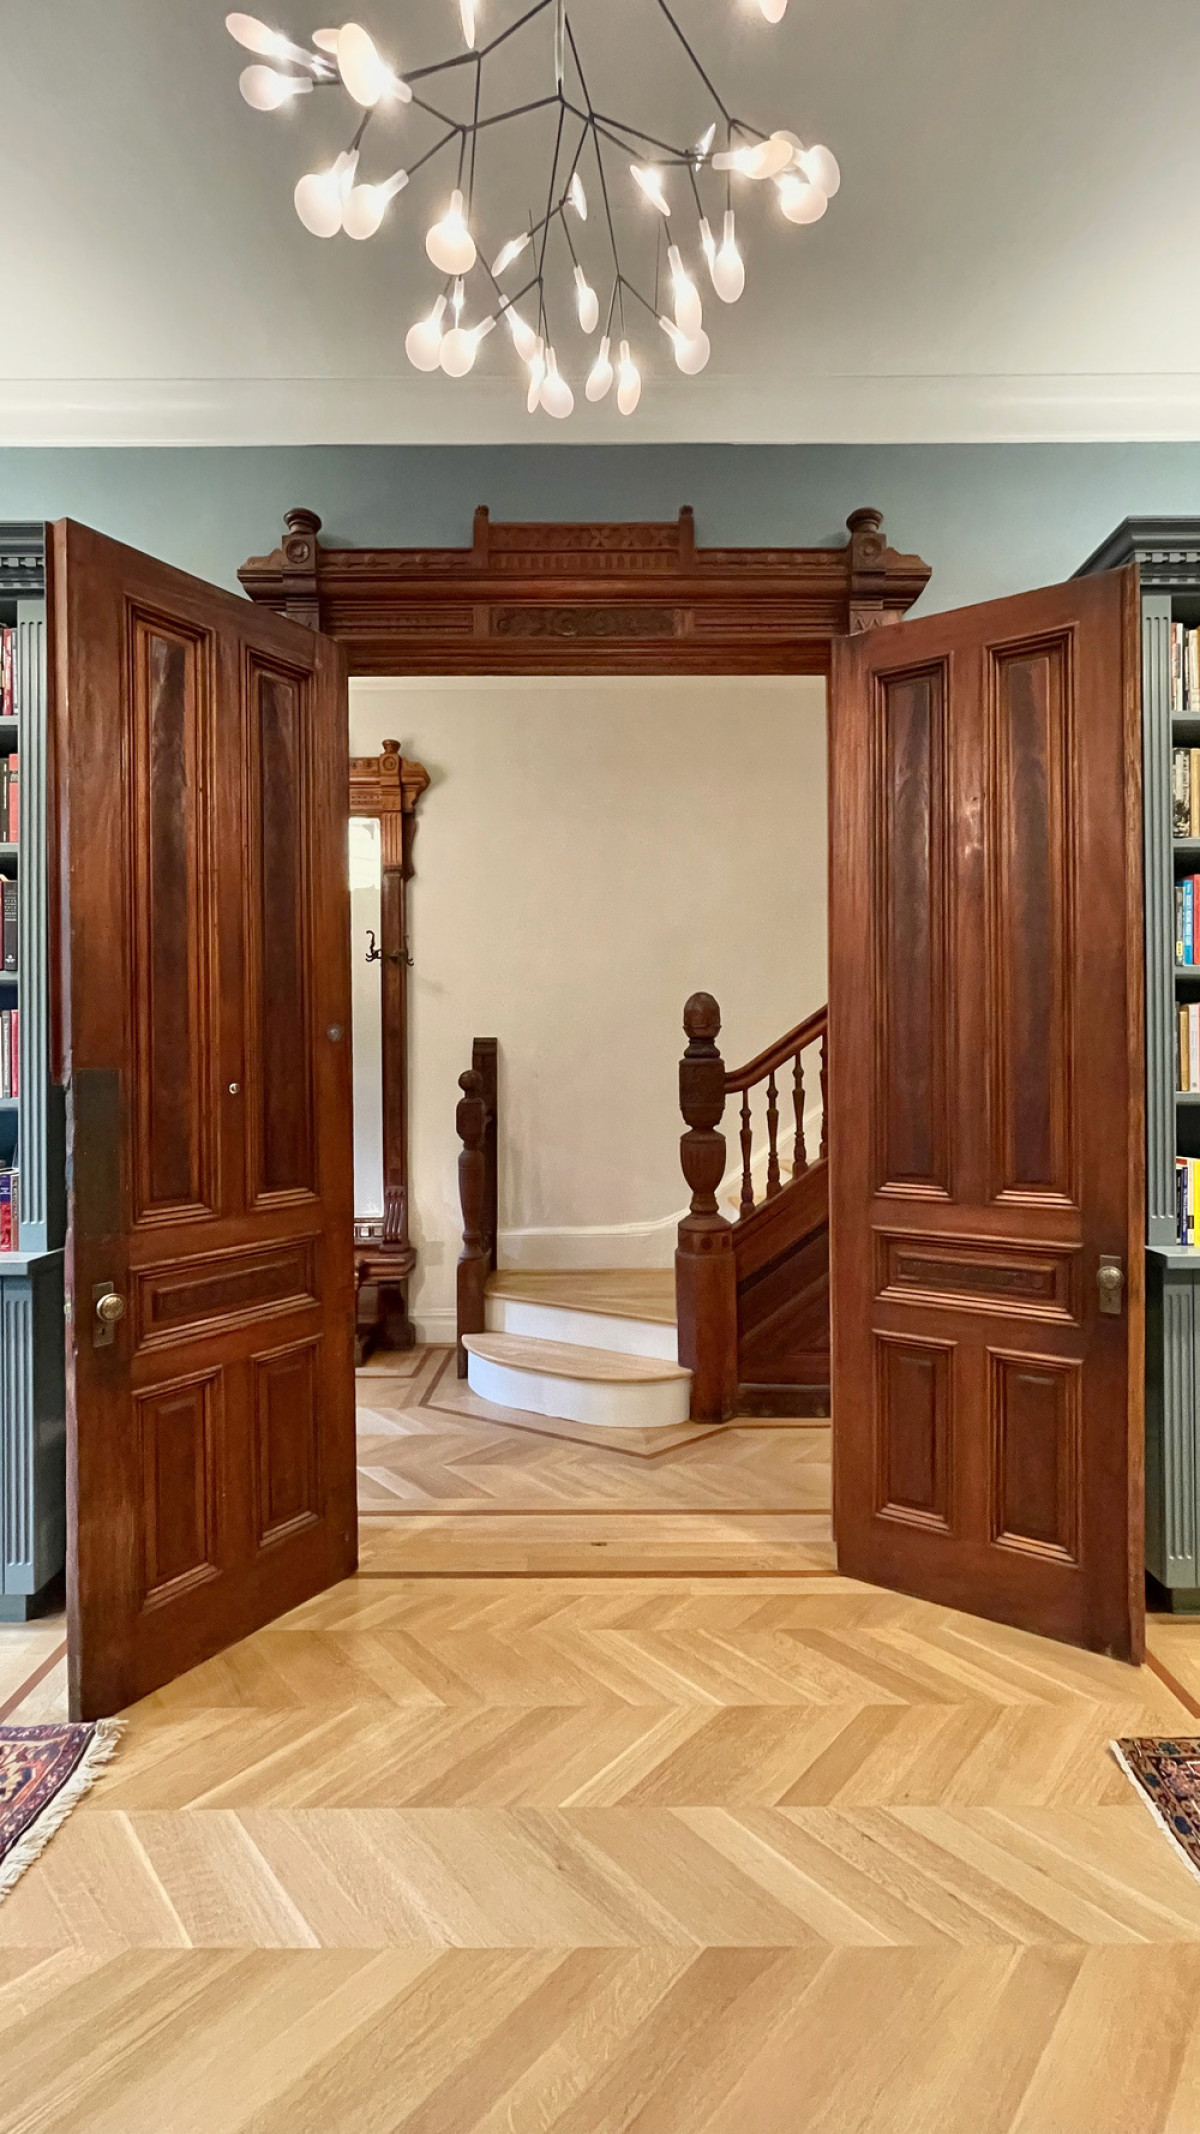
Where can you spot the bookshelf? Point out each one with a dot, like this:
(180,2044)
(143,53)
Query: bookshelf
(32,1399)
(1167,552)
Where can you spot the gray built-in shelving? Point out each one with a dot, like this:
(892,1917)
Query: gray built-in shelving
(1167,552)
(32,1425)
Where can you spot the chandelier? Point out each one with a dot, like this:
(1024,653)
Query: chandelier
(594,153)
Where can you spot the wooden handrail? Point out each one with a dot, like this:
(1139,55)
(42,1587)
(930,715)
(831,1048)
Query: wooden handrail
(776,1055)
(478,1189)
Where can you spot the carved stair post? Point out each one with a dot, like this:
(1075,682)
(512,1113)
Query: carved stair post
(474,1261)
(705,1269)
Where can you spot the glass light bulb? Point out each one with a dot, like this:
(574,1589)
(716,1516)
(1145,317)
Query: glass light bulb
(758,159)
(705,142)
(449,243)
(800,201)
(600,376)
(773,10)
(691,351)
(247,30)
(364,206)
(365,71)
(460,347)
(265,90)
(537,371)
(629,381)
(318,198)
(325,40)
(423,342)
(508,252)
(688,313)
(728,269)
(466,11)
(524,339)
(556,395)
(707,245)
(587,303)
(651,184)
(821,168)
(577,196)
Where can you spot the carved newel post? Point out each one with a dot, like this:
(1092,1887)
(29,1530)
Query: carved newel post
(474,1261)
(705,1270)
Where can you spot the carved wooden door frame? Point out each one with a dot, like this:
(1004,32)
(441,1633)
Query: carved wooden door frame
(636,597)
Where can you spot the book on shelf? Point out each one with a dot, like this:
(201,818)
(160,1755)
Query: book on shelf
(1187,1198)
(8,671)
(10,900)
(1188,1062)
(1185,671)
(1187,919)
(1185,791)
(10,1210)
(10,814)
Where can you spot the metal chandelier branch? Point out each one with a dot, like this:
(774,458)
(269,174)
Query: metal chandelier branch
(591,147)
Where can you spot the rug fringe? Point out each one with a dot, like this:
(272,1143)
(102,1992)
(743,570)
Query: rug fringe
(100,1750)
(1154,1810)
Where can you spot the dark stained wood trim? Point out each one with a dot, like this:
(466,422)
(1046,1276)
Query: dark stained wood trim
(621,598)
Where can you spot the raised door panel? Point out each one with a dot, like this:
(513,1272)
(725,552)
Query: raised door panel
(1031,933)
(172,972)
(179,1457)
(915,1431)
(281,1149)
(910,920)
(1034,1418)
(287,1441)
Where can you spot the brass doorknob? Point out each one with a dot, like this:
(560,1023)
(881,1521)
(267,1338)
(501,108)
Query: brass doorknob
(110,1308)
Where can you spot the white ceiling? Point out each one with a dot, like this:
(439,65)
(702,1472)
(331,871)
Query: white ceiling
(1015,251)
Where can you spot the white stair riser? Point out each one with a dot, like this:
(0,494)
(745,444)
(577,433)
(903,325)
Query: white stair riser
(604,1404)
(587,1330)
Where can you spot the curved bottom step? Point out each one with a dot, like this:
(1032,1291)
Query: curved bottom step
(578,1385)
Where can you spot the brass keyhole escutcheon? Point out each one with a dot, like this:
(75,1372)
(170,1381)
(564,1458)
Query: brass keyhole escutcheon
(110,1307)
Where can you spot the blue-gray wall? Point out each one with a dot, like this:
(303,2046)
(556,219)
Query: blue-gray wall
(991,519)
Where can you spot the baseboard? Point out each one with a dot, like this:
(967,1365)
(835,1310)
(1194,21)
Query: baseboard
(811,1401)
(437,1325)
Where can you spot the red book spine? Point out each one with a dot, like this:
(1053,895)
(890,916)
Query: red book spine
(14,788)
(15,1078)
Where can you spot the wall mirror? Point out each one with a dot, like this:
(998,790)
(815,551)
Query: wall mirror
(384,791)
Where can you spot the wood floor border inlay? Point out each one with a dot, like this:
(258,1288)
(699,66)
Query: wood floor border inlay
(1176,1688)
(26,1688)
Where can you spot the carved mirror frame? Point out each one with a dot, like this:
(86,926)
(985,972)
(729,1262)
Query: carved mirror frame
(388,787)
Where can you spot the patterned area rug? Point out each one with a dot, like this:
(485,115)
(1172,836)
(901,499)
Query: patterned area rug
(44,1773)
(1167,1776)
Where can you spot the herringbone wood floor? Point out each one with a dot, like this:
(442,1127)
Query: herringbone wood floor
(522,1836)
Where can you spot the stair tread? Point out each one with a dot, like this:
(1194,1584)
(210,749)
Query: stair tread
(566,1359)
(613,1292)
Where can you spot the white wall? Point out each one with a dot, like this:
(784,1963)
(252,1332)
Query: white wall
(589,853)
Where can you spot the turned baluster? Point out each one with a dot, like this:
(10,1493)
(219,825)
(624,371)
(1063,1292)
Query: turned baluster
(474,1263)
(705,1270)
(824,1107)
(774,1182)
(746,1205)
(799,1151)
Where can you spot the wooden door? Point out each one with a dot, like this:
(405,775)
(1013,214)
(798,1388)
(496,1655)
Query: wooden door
(986,1079)
(202,786)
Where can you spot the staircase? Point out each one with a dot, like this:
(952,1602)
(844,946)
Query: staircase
(743,1325)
